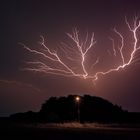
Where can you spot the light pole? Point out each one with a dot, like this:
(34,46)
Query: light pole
(77,99)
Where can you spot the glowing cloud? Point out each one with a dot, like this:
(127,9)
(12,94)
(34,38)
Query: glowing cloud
(81,49)
(19,84)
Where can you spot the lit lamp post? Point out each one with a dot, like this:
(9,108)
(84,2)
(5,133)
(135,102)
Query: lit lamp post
(77,99)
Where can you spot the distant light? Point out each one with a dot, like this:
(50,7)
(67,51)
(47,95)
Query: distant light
(77,98)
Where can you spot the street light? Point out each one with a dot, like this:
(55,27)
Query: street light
(77,99)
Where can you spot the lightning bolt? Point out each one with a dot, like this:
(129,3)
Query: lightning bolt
(81,49)
(78,52)
(134,29)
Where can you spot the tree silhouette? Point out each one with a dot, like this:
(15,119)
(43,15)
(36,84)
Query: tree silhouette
(91,108)
(65,109)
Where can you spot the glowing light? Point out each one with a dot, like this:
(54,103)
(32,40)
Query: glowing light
(81,49)
(77,98)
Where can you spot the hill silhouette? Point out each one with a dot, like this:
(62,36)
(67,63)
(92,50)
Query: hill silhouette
(68,109)
(87,109)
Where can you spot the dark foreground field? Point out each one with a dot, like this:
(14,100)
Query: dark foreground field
(67,132)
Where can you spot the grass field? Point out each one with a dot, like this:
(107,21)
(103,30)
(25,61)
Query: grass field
(69,131)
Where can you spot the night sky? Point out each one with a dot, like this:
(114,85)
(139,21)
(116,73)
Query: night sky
(24,21)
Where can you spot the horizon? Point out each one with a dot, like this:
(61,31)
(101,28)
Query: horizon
(66,96)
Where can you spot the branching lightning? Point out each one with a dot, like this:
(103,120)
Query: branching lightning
(81,49)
